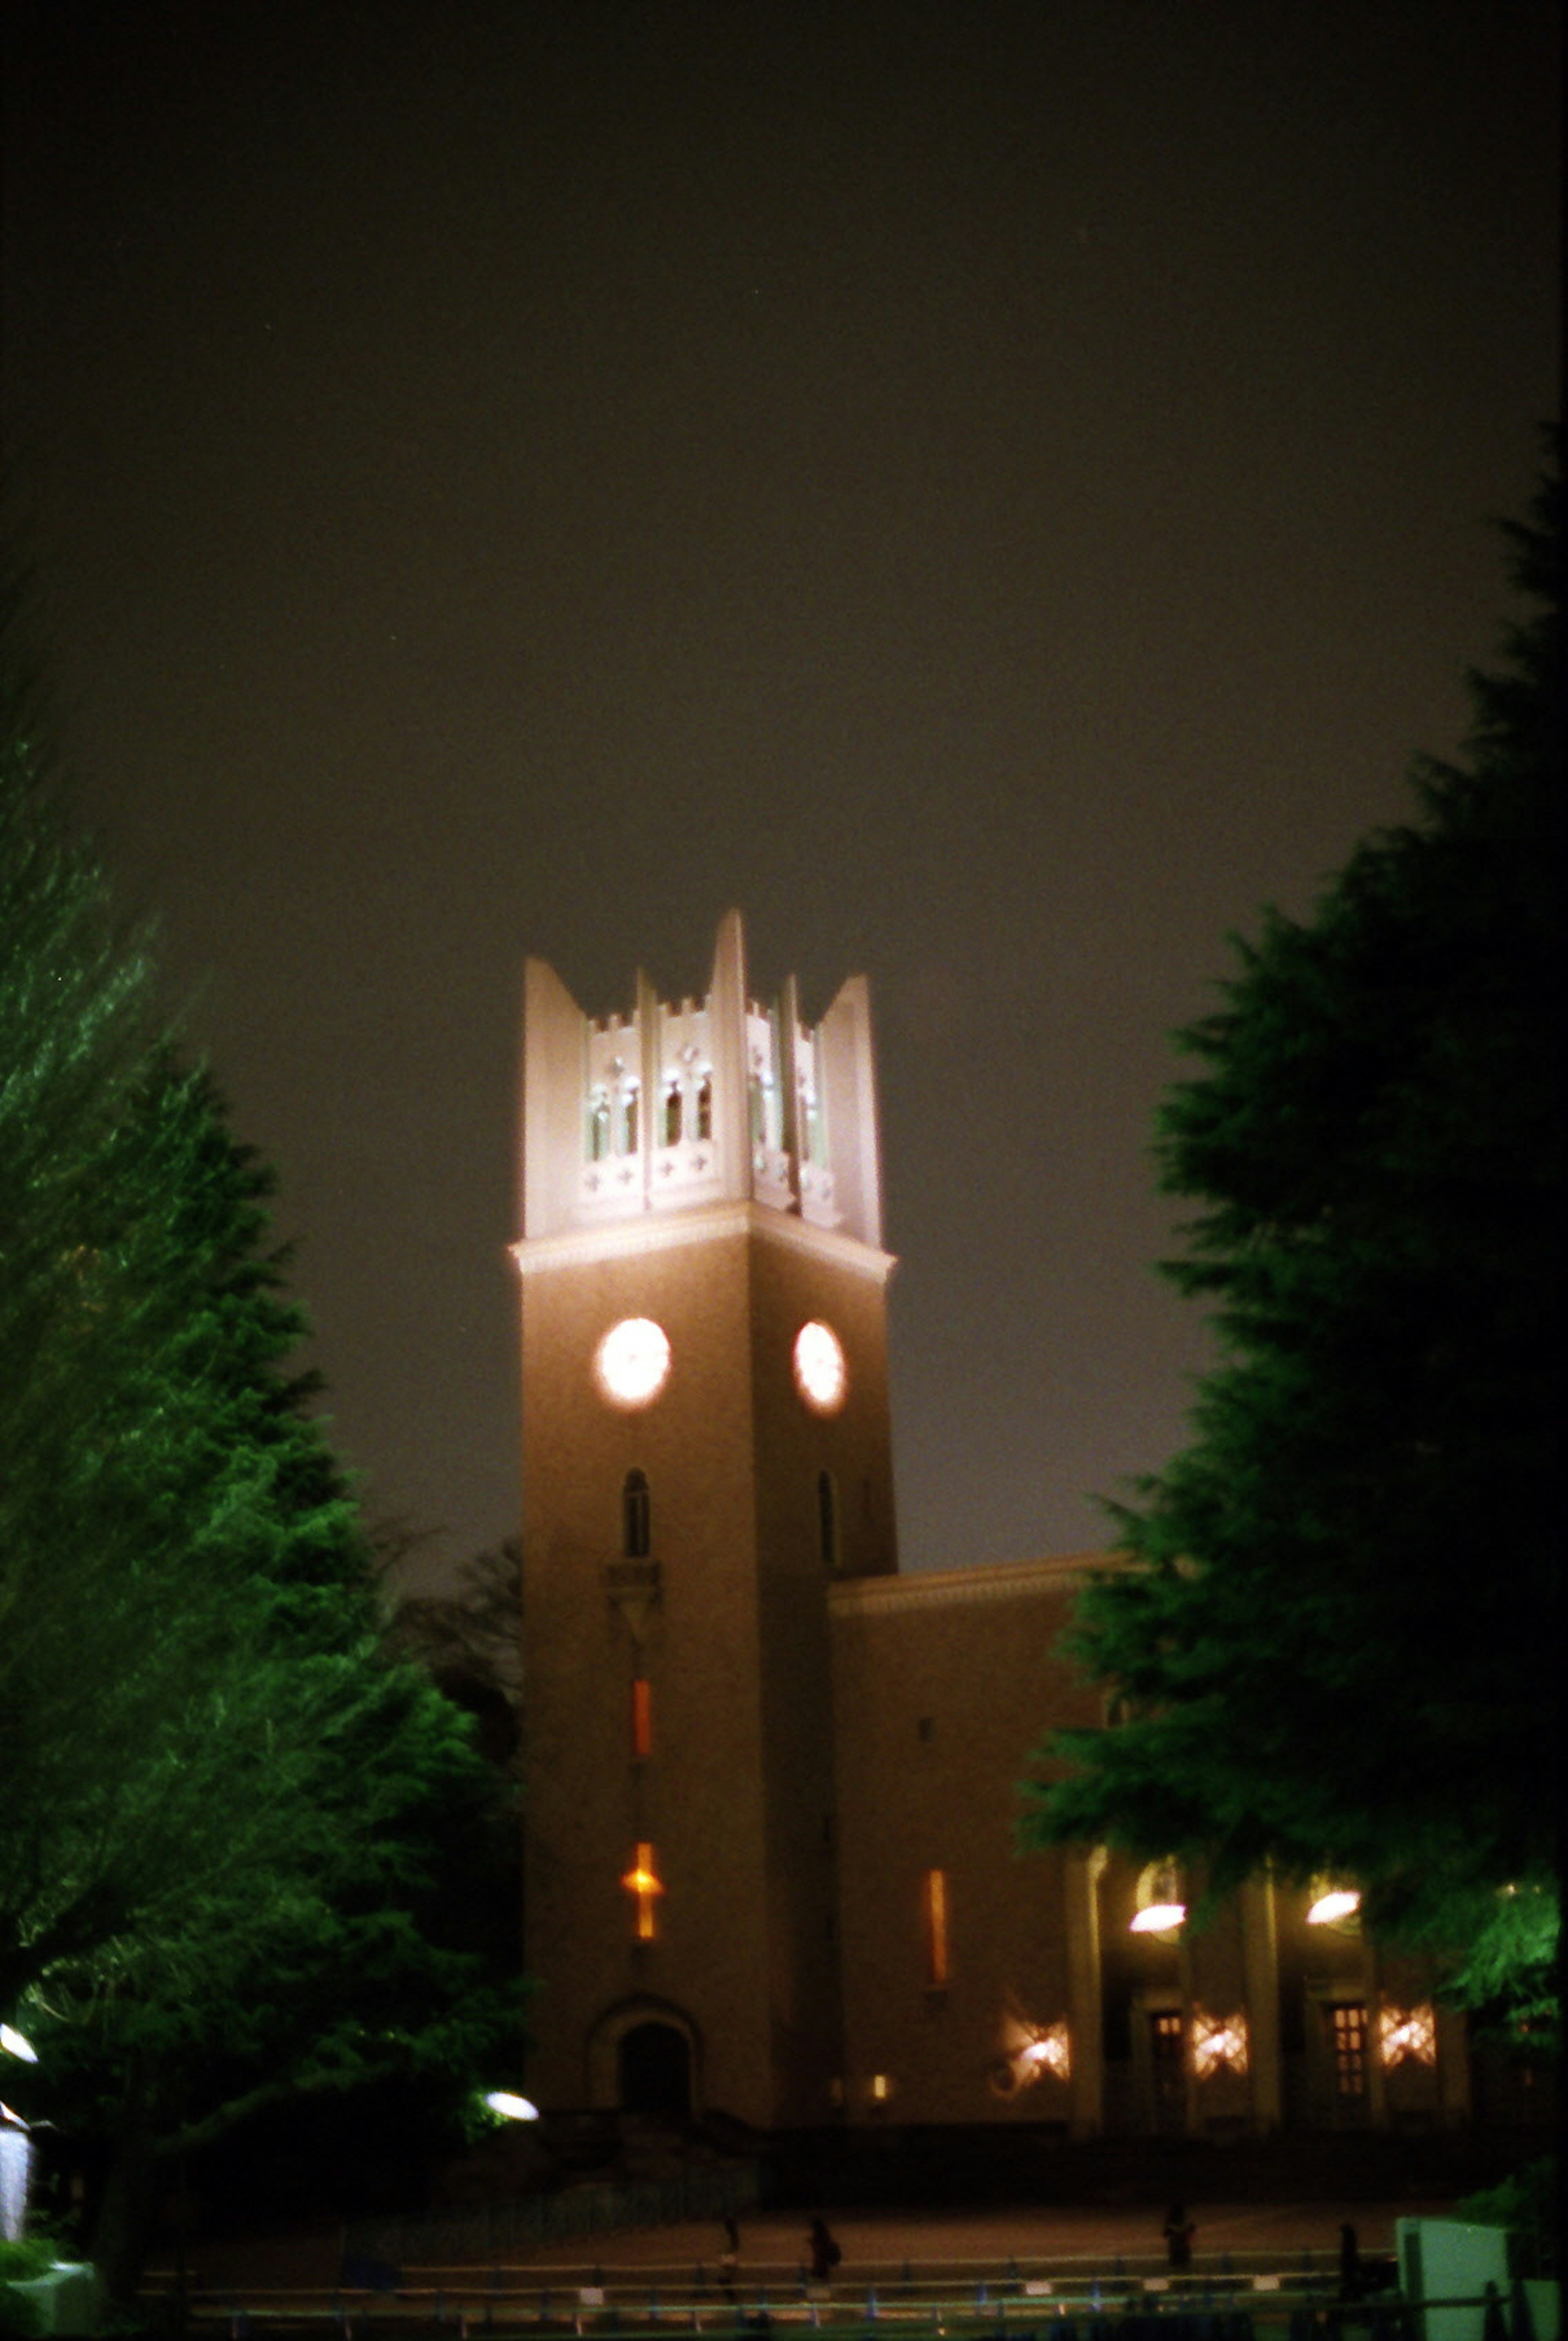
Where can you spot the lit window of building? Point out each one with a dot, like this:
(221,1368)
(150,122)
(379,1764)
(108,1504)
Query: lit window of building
(642,1882)
(933,1906)
(1347,2033)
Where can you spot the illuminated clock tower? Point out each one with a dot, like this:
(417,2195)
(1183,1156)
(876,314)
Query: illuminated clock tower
(706,1451)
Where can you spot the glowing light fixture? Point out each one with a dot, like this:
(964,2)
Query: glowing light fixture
(820,1375)
(14,2044)
(1407,2036)
(1161,1910)
(1048,2052)
(631,1363)
(1219,2044)
(1333,1905)
(1158,1918)
(512,2108)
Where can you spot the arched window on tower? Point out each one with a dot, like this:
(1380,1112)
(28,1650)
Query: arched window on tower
(671,1136)
(629,1122)
(598,1126)
(705,1107)
(637,1524)
(827,1520)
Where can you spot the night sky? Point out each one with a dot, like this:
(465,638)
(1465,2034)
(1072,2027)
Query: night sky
(997,492)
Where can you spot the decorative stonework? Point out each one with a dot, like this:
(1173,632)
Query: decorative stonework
(676,1103)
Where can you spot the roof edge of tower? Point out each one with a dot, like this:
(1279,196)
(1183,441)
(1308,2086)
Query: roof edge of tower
(651,1232)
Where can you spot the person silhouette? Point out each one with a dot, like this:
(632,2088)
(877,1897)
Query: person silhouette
(1350,2273)
(1178,2232)
(825,2255)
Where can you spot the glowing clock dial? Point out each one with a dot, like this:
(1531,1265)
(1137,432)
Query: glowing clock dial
(631,1363)
(820,1375)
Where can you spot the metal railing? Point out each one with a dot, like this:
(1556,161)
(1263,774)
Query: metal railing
(1010,2304)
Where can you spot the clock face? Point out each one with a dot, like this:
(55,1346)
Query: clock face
(820,1375)
(631,1363)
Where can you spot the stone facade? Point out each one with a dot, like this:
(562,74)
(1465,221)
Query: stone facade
(772,1810)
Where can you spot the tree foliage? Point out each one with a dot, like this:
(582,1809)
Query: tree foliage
(470,1640)
(1334,1635)
(232,1815)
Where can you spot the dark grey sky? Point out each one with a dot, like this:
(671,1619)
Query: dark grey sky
(996,492)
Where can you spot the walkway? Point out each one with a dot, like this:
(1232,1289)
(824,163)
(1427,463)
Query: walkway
(982,2241)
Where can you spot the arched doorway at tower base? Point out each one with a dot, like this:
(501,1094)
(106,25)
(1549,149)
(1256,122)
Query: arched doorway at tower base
(642,2058)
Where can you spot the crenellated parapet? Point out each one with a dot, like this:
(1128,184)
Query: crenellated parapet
(679,1103)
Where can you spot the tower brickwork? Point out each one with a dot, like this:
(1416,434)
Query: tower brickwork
(772,1804)
(706,1451)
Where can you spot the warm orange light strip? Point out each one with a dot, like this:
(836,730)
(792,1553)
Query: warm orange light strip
(643,1881)
(641,1720)
(936,1928)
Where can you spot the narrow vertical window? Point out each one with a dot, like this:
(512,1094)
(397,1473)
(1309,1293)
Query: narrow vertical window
(636,1520)
(1348,2022)
(827,1519)
(673,1115)
(642,1883)
(934,1898)
(705,1108)
(641,1720)
(598,1127)
(629,1123)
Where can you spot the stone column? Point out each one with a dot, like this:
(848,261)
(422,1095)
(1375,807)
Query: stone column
(1260,1958)
(1081,1898)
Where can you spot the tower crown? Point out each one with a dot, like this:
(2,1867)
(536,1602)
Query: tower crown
(681,1104)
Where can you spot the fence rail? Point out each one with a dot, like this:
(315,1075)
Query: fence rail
(1276,2305)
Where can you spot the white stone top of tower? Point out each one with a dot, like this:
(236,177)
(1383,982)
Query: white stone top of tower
(680,1103)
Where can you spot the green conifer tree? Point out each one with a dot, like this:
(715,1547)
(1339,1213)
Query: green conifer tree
(1337,1641)
(227,1836)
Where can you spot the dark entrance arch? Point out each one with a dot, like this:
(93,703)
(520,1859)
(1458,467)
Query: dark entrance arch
(657,2072)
